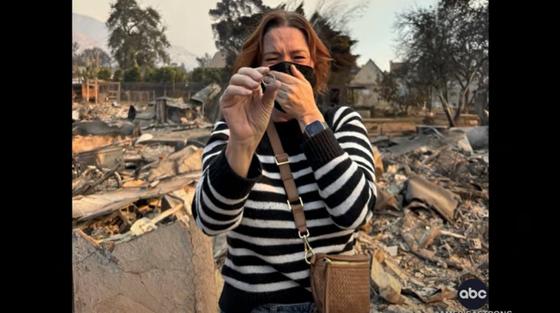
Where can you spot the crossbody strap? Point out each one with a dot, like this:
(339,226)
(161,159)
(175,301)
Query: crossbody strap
(294,200)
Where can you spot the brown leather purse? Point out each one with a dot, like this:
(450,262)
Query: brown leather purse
(339,283)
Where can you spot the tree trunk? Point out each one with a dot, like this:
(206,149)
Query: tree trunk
(446,110)
(480,105)
(460,105)
(464,96)
(430,100)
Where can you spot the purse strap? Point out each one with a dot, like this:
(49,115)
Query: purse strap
(294,200)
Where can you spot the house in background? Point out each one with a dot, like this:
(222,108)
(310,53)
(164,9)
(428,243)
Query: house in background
(362,89)
(454,89)
(454,94)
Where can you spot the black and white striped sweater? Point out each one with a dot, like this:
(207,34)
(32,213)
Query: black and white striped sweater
(334,173)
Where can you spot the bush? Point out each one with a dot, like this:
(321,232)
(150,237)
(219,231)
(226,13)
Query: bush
(104,74)
(167,74)
(132,75)
(118,75)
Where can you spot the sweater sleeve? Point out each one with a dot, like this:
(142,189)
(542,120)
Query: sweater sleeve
(220,193)
(342,162)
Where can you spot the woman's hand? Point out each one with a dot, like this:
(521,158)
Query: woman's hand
(244,106)
(247,111)
(296,97)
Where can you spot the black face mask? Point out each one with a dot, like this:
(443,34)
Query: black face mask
(284,67)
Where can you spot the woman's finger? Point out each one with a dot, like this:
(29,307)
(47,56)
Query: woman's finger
(244,81)
(285,78)
(285,87)
(256,74)
(233,90)
(282,94)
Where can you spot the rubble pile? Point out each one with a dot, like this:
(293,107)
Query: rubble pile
(133,182)
(105,111)
(136,247)
(429,230)
(433,233)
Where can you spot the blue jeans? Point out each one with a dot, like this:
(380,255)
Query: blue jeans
(306,307)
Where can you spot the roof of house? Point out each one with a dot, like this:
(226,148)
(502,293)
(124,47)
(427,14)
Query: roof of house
(369,74)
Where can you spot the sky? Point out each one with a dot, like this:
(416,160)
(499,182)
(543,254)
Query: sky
(189,25)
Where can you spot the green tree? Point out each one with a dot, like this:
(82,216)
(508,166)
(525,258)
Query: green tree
(104,73)
(234,20)
(204,60)
(137,36)
(205,75)
(95,57)
(75,48)
(167,74)
(118,75)
(181,74)
(92,61)
(132,75)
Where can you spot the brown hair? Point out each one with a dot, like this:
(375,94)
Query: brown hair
(251,53)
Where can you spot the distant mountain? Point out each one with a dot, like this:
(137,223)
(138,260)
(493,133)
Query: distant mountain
(179,55)
(90,32)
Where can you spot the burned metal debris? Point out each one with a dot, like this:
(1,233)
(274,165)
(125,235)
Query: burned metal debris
(134,172)
(136,247)
(429,230)
(436,234)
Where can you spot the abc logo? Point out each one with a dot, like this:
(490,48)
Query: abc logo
(472,294)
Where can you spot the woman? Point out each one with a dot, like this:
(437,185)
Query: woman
(240,192)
